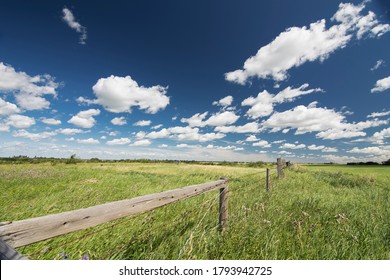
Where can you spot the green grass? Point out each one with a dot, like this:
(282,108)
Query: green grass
(315,212)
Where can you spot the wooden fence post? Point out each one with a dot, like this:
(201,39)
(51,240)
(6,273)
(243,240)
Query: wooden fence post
(9,253)
(280,167)
(268,181)
(223,207)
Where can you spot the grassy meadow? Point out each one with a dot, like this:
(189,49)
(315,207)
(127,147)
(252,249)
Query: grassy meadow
(314,212)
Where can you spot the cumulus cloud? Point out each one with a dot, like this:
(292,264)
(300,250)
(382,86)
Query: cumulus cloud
(252,138)
(142,123)
(217,119)
(382,85)
(224,102)
(262,143)
(144,142)
(316,148)
(50,121)
(33,136)
(120,141)
(380,136)
(28,91)
(292,146)
(183,133)
(88,141)
(298,45)
(69,18)
(85,119)
(70,131)
(7,108)
(377,151)
(328,123)
(119,121)
(263,104)
(252,127)
(120,94)
(20,121)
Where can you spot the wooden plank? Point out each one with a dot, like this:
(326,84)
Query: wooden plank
(268,181)
(9,253)
(24,232)
(223,208)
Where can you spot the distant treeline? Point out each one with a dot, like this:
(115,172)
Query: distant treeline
(387,162)
(74,160)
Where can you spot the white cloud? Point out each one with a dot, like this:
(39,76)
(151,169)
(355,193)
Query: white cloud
(378,114)
(380,136)
(69,18)
(120,141)
(330,150)
(142,123)
(224,102)
(120,94)
(33,136)
(262,143)
(195,120)
(378,64)
(292,146)
(217,119)
(88,141)
(163,146)
(144,142)
(315,148)
(50,121)
(113,133)
(163,133)
(252,138)
(85,119)
(28,91)
(157,126)
(252,127)
(7,108)
(377,151)
(222,119)
(298,45)
(232,148)
(328,123)
(184,134)
(305,119)
(20,121)
(263,104)
(119,121)
(382,85)
(70,131)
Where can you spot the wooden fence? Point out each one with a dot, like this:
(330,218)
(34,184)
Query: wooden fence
(24,232)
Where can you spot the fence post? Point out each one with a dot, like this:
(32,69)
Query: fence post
(9,253)
(280,167)
(268,181)
(223,207)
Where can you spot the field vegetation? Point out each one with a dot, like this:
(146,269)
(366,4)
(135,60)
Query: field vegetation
(314,212)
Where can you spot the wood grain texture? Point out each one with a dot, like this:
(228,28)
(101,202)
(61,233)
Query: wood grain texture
(24,232)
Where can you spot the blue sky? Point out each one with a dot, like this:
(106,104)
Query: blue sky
(203,80)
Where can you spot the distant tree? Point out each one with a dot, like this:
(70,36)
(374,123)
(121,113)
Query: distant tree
(72,159)
(387,162)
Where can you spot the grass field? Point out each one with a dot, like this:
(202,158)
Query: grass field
(315,212)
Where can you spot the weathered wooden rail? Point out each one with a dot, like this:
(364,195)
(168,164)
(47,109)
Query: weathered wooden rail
(25,232)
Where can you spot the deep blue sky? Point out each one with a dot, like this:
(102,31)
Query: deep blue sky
(186,47)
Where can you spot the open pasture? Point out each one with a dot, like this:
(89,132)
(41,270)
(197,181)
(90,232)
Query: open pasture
(314,212)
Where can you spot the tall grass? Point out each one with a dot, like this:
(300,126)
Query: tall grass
(310,214)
